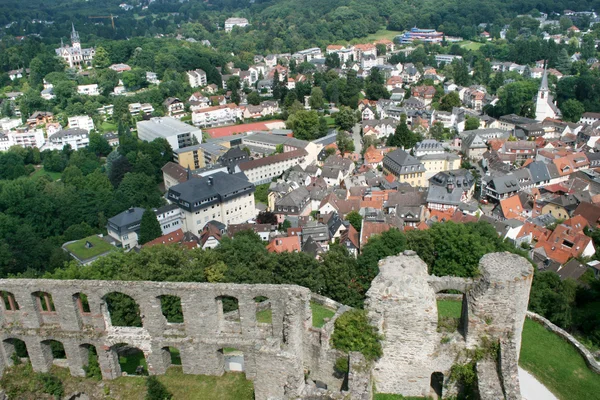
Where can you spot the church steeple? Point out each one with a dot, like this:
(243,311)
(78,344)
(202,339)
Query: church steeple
(544,104)
(75,37)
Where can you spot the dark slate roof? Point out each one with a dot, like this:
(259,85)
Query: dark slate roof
(400,162)
(215,188)
(505,184)
(539,171)
(447,187)
(295,198)
(127,217)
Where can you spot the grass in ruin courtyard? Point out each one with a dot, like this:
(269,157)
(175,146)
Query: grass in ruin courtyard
(319,313)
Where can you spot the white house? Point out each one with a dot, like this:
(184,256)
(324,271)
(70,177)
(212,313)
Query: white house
(197,78)
(75,137)
(89,90)
(82,122)
(231,22)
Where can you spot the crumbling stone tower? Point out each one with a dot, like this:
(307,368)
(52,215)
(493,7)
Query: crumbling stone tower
(402,304)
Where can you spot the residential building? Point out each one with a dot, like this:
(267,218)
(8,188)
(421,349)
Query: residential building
(233,157)
(428,146)
(197,78)
(23,138)
(423,93)
(186,239)
(435,163)
(289,244)
(231,22)
(175,107)
(446,58)
(217,116)
(447,190)
(405,168)
(170,218)
(263,170)
(221,197)
(82,122)
(200,155)
(473,147)
(74,55)
(295,203)
(124,228)
(75,137)
(141,108)
(212,234)
(88,90)
(177,133)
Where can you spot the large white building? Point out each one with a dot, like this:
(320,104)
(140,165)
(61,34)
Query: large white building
(88,90)
(177,133)
(197,78)
(263,170)
(231,22)
(81,122)
(22,138)
(74,55)
(221,197)
(75,137)
(216,116)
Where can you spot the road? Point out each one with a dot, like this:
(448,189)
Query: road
(532,389)
(357,138)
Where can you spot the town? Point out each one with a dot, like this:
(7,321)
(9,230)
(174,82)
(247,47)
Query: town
(338,155)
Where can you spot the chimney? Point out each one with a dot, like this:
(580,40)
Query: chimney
(130,210)
(210,181)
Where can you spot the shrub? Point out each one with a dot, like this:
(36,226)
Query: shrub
(341,365)
(156,390)
(353,333)
(51,385)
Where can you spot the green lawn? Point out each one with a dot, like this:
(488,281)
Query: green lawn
(80,251)
(319,313)
(230,386)
(330,121)
(265,316)
(557,364)
(108,127)
(130,362)
(449,308)
(469,45)
(380,34)
(41,172)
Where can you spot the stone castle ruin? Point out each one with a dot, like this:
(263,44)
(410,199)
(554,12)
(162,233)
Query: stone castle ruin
(287,358)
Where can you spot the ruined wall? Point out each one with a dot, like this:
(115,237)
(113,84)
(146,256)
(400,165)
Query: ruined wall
(273,355)
(402,304)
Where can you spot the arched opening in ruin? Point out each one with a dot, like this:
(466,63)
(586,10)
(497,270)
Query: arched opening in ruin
(89,356)
(171,356)
(233,359)
(264,313)
(437,385)
(123,310)
(10,303)
(131,359)
(451,307)
(56,350)
(44,303)
(15,350)
(228,312)
(171,309)
(81,301)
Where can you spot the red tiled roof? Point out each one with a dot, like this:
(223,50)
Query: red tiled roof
(512,208)
(171,238)
(235,129)
(284,244)
(372,228)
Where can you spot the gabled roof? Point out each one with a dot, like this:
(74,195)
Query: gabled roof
(284,244)
(512,207)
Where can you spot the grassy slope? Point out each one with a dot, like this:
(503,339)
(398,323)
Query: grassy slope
(41,172)
(319,313)
(550,359)
(557,364)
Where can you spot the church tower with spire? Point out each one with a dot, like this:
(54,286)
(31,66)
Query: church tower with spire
(544,104)
(75,38)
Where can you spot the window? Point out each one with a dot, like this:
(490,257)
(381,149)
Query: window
(125,237)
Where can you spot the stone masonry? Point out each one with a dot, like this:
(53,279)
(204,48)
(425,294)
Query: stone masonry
(273,354)
(402,304)
(286,358)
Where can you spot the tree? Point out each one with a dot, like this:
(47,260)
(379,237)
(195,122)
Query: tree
(403,136)
(156,390)
(138,190)
(234,85)
(316,100)
(266,217)
(381,49)
(101,58)
(344,143)
(305,125)
(354,333)
(563,63)
(149,227)
(460,72)
(355,220)
(449,101)
(332,60)
(471,123)
(99,145)
(345,119)
(254,98)
(572,110)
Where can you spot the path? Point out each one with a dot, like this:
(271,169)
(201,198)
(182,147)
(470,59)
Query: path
(357,138)
(532,389)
